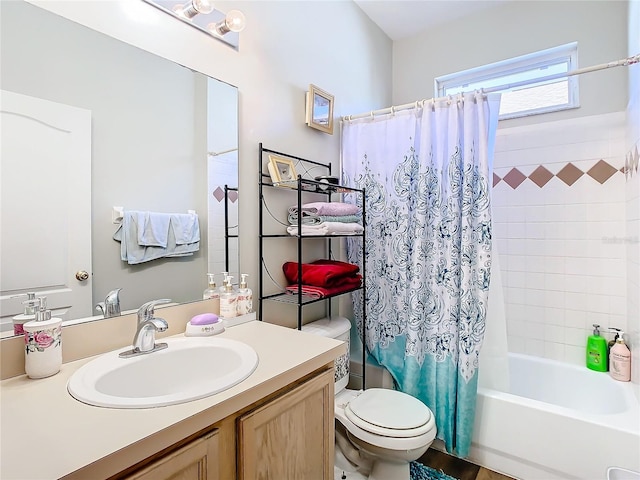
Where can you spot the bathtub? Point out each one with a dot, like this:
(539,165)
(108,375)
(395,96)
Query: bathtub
(557,421)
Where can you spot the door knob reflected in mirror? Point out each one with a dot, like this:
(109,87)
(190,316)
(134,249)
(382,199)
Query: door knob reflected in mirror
(82,275)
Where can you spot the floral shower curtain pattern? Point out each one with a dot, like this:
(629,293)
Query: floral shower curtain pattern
(428,254)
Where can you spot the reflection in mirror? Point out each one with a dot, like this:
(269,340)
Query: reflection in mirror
(93,123)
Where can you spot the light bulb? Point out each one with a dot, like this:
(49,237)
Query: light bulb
(178,10)
(194,7)
(233,22)
(203,6)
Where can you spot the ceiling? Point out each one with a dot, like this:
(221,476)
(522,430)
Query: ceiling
(404,18)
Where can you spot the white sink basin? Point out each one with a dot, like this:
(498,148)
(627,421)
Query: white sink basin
(189,369)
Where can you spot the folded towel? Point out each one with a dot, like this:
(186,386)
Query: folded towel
(320,292)
(314,219)
(185,228)
(327,208)
(133,253)
(327,228)
(153,228)
(322,273)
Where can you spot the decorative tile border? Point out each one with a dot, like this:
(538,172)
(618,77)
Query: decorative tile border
(569,174)
(631,160)
(218,194)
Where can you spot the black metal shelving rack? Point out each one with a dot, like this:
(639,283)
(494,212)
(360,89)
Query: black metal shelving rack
(227,235)
(302,186)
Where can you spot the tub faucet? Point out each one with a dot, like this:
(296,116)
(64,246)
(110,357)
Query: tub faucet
(111,305)
(144,340)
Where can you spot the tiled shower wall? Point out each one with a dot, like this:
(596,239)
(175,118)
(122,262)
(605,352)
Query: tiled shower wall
(560,225)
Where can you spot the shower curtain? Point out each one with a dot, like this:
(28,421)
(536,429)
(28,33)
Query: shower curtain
(426,173)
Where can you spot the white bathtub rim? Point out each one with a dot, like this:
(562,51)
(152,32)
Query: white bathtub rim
(626,421)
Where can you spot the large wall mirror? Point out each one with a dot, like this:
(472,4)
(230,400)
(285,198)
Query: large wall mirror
(115,126)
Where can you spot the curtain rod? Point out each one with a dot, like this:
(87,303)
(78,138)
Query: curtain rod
(420,103)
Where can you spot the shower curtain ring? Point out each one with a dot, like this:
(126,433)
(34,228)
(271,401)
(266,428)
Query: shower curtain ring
(449,99)
(393,111)
(372,117)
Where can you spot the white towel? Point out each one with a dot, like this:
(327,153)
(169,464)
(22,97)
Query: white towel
(133,253)
(328,228)
(185,228)
(153,229)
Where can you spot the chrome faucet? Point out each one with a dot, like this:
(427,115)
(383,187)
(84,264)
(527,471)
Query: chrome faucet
(111,305)
(144,340)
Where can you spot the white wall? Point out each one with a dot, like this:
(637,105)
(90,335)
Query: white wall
(285,47)
(518,28)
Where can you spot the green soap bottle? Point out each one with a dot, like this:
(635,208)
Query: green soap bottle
(597,351)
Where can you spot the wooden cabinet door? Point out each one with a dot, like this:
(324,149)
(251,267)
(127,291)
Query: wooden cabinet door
(291,437)
(197,460)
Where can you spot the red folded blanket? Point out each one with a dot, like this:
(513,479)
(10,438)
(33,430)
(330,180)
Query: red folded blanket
(320,292)
(321,273)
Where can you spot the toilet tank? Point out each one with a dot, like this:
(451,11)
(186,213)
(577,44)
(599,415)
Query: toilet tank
(338,328)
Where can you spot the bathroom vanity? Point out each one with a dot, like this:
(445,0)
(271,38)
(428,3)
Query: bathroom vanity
(279,420)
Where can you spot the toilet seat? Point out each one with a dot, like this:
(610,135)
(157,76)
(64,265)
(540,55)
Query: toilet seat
(370,411)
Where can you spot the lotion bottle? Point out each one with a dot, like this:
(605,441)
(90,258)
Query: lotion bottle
(28,314)
(245,297)
(597,351)
(228,301)
(212,293)
(43,343)
(620,361)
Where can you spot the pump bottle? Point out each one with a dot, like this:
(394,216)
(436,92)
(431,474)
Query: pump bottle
(245,297)
(43,343)
(620,360)
(212,293)
(597,351)
(228,300)
(28,314)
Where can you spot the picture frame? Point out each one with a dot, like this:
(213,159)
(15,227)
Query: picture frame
(282,172)
(319,109)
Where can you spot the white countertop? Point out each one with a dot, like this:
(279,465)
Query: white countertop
(46,433)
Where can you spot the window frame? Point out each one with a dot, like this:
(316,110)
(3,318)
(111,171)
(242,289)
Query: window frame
(567,53)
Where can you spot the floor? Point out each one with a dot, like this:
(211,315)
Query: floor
(452,466)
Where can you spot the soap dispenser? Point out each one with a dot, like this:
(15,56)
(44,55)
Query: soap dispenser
(597,351)
(28,314)
(620,360)
(245,297)
(212,293)
(228,300)
(43,343)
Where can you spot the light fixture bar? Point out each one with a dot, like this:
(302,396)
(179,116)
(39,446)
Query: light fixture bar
(202,15)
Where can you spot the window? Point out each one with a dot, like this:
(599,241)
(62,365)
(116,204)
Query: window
(521,80)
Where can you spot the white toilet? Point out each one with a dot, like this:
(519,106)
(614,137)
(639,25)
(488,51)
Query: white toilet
(378,431)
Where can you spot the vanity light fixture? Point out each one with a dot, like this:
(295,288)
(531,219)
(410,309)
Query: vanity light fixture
(202,15)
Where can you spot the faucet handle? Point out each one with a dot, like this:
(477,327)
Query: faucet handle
(146,310)
(113,296)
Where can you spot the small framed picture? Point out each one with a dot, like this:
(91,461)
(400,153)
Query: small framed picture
(282,171)
(320,109)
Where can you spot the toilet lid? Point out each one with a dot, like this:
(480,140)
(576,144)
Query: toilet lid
(389,412)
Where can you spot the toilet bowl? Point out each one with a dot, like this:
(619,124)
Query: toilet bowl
(378,431)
